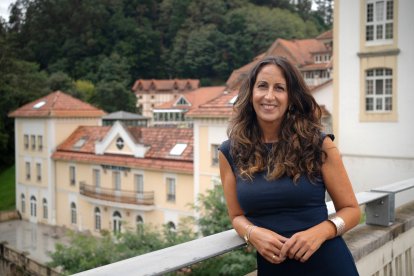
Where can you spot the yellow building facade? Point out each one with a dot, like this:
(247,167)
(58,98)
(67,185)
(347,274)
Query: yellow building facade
(73,172)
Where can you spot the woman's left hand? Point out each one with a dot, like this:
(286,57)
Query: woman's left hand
(302,245)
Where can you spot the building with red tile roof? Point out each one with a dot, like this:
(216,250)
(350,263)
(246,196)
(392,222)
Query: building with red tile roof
(311,56)
(153,92)
(176,110)
(57,104)
(72,171)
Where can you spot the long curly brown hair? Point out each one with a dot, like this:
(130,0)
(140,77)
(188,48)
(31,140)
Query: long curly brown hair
(298,150)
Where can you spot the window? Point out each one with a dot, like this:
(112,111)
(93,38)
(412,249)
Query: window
(40,142)
(117,180)
(170,189)
(139,220)
(72,175)
(73,215)
(214,155)
(33,206)
(139,183)
(379,21)
(171,226)
(182,101)
(28,170)
(117,223)
(33,141)
(97,178)
(39,171)
(26,141)
(378,90)
(45,208)
(97,218)
(23,202)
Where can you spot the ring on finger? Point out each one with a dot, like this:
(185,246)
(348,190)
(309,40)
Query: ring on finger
(273,257)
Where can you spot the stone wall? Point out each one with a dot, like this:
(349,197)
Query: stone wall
(16,263)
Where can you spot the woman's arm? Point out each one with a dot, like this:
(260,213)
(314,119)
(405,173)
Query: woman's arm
(268,243)
(303,244)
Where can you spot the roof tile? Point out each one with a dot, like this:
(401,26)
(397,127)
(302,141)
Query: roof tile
(57,104)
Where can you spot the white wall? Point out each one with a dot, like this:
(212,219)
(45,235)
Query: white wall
(324,96)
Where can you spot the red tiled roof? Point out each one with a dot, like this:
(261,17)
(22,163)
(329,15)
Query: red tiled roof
(159,140)
(195,98)
(155,85)
(57,104)
(326,35)
(316,66)
(217,107)
(298,51)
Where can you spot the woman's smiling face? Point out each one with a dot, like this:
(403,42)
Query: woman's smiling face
(270,95)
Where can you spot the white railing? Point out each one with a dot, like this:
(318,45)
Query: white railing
(379,209)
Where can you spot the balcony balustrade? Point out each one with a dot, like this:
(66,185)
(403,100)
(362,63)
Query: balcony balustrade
(119,196)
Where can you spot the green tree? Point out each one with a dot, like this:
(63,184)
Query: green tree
(212,209)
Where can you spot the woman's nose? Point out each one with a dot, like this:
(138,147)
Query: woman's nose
(269,93)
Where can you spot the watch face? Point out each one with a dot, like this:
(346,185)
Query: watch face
(120,143)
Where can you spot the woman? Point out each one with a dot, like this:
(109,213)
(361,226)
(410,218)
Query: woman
(275,169)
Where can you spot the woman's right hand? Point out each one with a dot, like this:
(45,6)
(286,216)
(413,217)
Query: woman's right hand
(268,244)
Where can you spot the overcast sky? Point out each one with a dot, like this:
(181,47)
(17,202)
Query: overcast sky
(4,6)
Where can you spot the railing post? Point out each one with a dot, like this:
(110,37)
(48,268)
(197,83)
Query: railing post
(380,211)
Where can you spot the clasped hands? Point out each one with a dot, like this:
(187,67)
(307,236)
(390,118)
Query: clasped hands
(276,248)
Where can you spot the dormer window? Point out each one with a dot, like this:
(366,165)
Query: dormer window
(182,101)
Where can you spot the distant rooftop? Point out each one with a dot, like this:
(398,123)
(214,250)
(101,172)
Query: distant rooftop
(124,115)
(57,104)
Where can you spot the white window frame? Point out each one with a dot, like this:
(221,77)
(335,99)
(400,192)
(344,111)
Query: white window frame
(373,78)
(378,19)
(116,178)
(117,222)
(39,171)
(33,206)
(45,210)
(23,203)
(72,175)
(96,174)
(214,155)
(73,213)
(171,188)
(26,141)
(139,183)
(40,142)
(98,218)
(28,173)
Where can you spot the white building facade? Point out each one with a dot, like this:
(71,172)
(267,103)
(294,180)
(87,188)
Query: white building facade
(374,98)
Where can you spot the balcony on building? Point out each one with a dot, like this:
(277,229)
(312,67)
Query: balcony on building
(116,196)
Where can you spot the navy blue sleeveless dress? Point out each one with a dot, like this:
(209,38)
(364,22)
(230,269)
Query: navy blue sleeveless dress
(286,208)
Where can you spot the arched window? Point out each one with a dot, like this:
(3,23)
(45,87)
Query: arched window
(116,219)
(171,226)
(23,202)
(73,218)
(45,208)
(33,206)
(139,221)
(97,218)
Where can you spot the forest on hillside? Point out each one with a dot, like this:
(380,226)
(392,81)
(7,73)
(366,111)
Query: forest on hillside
(96,49)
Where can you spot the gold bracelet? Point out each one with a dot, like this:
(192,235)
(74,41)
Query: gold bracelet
(249,229)
(339,224)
